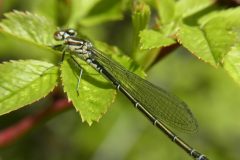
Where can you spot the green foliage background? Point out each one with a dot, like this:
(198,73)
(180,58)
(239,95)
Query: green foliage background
(205,29)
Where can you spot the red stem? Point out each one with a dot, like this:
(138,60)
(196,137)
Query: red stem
(14,132)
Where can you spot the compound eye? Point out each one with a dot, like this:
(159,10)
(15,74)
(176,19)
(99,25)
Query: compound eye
(59,35)
(71,32)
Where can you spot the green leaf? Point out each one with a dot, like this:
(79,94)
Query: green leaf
(213,38)
(27,30)
(24,82)
(231,63)
(172,12)
(216,40)
(96,93)
(194,40)
(31,27)
(153,39)
(219,36)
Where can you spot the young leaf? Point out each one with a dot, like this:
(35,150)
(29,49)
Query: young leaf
(96,93)
(24,82)
(150,39)
(213,38)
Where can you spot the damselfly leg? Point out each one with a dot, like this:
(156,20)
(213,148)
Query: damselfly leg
(80,73)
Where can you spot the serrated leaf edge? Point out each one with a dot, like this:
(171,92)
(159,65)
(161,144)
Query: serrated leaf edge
(82,117)
(17,107)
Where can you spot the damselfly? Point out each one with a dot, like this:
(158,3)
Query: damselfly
(159,106)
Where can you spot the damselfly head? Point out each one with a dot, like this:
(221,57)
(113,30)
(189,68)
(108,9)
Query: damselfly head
(63,34)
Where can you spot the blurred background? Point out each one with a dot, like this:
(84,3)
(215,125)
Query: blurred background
(123,133)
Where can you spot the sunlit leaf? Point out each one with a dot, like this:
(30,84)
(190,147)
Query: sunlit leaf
(24,82)
(195,41)
(28,26)
(153,39)
(30,34)
(214,38)
(95,93)
(232,63)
